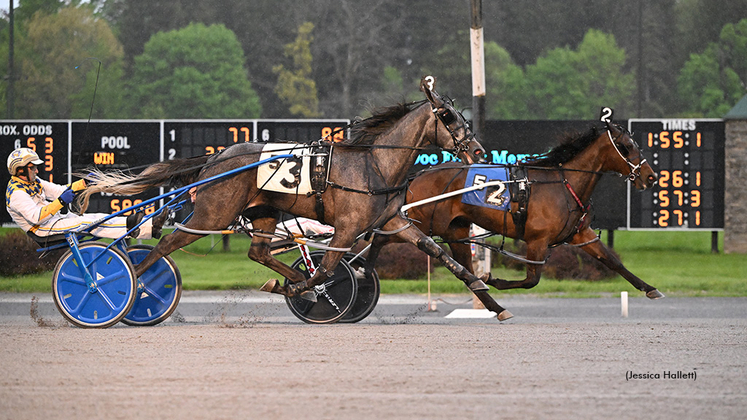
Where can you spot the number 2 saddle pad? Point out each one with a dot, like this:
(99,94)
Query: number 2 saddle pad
(494,197)
(290,176)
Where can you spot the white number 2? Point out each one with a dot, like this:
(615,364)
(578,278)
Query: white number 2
(606,115)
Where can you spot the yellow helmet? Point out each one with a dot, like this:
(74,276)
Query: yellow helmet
(19,158)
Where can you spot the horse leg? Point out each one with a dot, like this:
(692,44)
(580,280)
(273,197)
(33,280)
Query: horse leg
(259,251)
(300,286)
(462,253)
(427,245)
(536,251)
(343,238)
(165,246)
(599,251)
(377,243)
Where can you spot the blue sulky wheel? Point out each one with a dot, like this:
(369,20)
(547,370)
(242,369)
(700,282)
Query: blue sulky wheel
(103,304)
(368,290)
(158,289)
(334,299)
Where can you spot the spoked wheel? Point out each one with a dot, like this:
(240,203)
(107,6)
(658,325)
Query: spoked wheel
(107,301)
(158,289)
(335,298)
(368,291)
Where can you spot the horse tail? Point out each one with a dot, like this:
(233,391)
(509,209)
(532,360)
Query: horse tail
(174,173)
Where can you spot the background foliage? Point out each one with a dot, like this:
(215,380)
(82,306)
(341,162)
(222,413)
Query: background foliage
(338,58)
(194,72)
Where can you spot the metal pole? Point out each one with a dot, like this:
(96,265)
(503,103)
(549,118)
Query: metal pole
(714,242)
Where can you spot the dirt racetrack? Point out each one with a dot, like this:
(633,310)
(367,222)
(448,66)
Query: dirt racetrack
(377,370)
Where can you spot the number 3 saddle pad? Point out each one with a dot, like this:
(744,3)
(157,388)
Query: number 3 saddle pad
(496,196)
(290,176)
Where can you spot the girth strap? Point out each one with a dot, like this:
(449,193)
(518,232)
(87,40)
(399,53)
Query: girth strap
(519,194)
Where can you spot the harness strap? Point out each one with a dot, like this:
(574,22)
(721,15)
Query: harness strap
(584,208)
(382,191)
(520,195)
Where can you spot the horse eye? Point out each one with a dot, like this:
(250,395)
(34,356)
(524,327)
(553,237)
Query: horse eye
(622,149)
(447,117)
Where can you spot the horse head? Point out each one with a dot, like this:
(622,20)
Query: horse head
(452,130)
(627,158)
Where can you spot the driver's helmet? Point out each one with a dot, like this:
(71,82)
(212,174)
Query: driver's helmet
(19,158)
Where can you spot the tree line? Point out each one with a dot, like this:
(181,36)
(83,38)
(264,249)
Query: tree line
(339,58)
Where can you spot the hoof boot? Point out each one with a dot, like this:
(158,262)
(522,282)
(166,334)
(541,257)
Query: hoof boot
(478,286)
(308,295)
(654,294)
(269,286)
(505,315)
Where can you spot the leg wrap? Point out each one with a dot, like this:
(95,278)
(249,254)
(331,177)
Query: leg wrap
(325,272)
(430,247)
(295,288)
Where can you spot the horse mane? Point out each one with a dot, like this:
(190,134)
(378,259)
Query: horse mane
(570,146)
(365,131)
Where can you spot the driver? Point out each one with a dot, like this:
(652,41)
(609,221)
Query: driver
(35,204)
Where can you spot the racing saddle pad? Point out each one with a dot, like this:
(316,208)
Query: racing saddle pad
(494,197)
(290,176)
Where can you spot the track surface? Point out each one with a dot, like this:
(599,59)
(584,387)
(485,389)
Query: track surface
(244,356)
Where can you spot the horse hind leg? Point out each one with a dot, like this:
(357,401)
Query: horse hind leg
(536,251)
(377,243)
(306,289)
(165,246)
(260,252)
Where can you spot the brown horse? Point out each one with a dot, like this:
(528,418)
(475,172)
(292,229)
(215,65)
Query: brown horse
(361,189)
(559,183)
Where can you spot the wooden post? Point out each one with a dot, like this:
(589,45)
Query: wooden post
(477,52)
(480,262)
(10,94)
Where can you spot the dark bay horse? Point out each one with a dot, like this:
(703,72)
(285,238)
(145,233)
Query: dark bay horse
(362,188)
(560,186)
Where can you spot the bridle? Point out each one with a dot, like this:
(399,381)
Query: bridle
(623,152)
(447,117)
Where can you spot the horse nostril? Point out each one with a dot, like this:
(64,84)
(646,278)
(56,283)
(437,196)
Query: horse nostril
(652,179)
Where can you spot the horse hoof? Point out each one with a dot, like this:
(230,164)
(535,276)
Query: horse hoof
(308,295)
(505,315)
(269,286)
(654,294)
(478,286)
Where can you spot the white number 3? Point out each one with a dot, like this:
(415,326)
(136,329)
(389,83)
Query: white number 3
(429,81)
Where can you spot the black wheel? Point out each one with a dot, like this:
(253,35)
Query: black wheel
(158,289)
(368,291)
(335,298)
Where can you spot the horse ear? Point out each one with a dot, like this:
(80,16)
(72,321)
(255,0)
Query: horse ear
(428,85)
